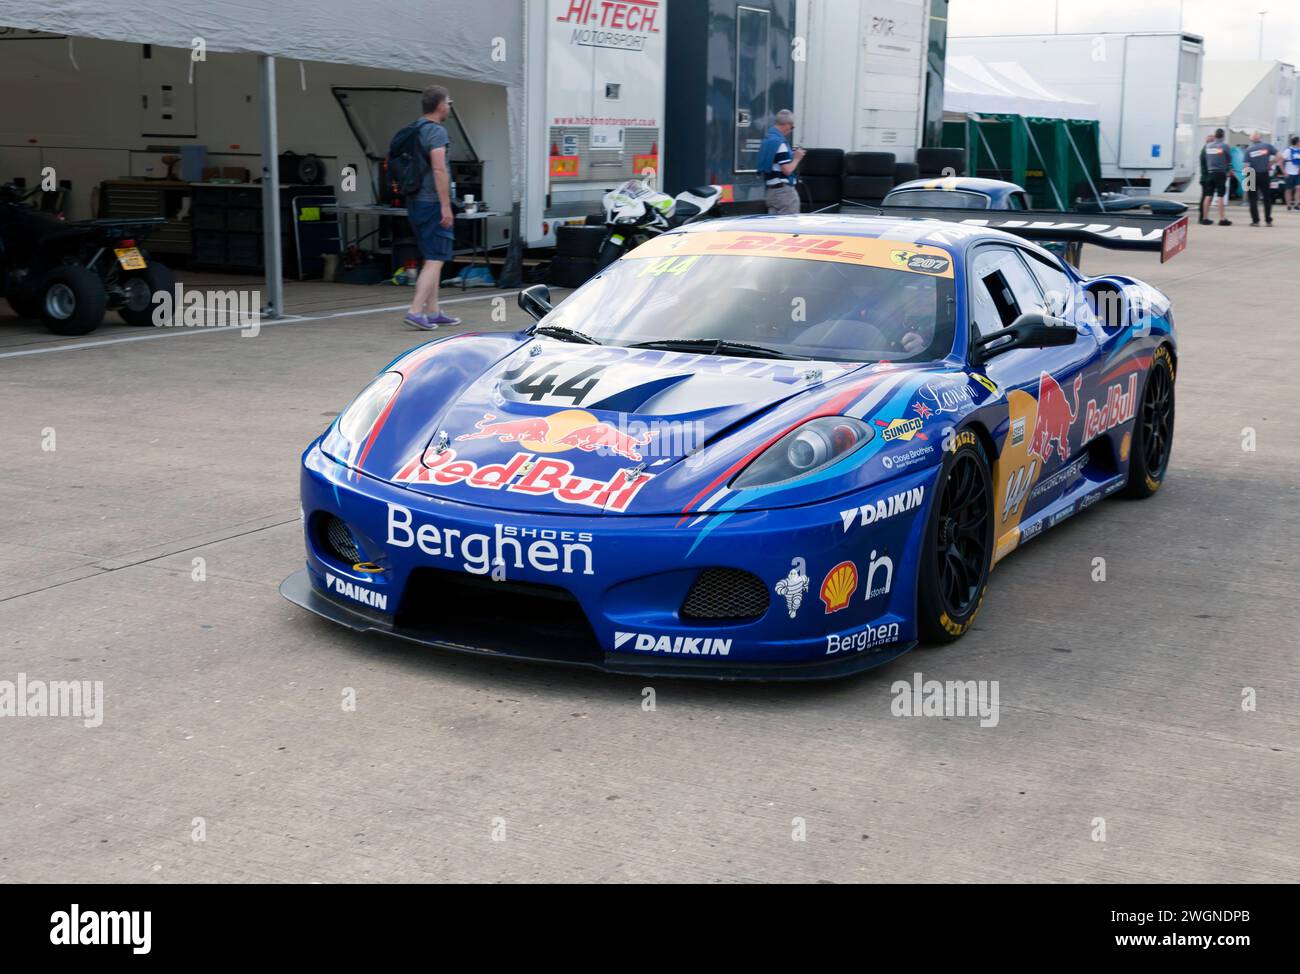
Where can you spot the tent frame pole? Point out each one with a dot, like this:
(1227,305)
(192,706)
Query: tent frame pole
(1041,161)
(273,306)
(1083,166)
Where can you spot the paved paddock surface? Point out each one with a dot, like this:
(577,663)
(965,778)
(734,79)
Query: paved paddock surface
(1119,700)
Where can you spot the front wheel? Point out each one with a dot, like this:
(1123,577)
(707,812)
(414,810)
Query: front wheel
(957,552)
(611,251)
(143,292)
(71,300)
(1153,433)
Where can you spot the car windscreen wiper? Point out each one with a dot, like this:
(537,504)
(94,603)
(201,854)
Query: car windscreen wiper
(718,346)
(565,334)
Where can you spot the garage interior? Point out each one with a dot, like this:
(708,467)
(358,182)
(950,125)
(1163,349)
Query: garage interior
(181,134)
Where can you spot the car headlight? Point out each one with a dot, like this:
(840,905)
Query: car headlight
(359,419)
(814,445)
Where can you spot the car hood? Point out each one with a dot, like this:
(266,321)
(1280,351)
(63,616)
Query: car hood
(557,427)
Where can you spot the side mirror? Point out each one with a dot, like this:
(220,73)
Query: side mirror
(1027,331)
(536,300)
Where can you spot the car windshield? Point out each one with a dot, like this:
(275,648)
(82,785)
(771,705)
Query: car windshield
(946,199)
(774,307)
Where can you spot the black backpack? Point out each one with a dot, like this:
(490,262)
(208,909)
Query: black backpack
(407,162)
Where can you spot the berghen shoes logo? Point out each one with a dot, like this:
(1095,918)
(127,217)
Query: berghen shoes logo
(53,698)
(103,927)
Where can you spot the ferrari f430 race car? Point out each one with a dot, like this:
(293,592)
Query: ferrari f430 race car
(768,447)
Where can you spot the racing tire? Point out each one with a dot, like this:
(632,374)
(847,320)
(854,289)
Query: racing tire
(822,162)
(1153,430)
(905,172)
(24,303)
(957,550)
(609,253)
(932,161)
(869,164)
(142,290)
(579,241)
(71,300)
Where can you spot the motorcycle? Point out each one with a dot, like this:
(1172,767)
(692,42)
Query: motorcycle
(636,212)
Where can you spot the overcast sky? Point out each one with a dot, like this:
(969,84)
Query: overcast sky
(1230,27)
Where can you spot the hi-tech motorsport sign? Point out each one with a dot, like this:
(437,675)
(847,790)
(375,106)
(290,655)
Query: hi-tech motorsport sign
(623,25)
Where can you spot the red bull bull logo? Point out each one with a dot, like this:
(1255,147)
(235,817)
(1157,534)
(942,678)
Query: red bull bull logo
(1055,418)
(607,439)
(573,429)
(509,432)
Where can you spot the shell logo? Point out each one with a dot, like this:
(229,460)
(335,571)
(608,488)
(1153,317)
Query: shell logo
(838,588)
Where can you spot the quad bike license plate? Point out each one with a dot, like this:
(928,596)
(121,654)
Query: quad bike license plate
(130,258)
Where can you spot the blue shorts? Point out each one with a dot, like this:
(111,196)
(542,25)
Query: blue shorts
(435,240)
(1292,181)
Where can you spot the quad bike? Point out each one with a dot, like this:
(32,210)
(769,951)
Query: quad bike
(69,274)
(636,211)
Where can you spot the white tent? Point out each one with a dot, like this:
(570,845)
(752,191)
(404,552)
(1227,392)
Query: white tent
(1242,97)
(1005,88)
(480,41)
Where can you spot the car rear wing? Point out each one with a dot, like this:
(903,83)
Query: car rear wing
(1164,234)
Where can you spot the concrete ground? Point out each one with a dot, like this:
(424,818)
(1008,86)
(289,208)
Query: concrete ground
(225,753)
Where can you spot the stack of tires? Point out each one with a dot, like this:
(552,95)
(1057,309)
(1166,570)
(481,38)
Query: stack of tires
(935,162)
(868,176)
(576,251)
(822,176)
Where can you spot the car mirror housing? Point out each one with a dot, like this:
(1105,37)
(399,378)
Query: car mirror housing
(536,300)
(1028,331)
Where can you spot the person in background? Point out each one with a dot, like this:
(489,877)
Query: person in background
(778,163)
(1216,164)
(430,212)
(1207,187)
(1260,156)
(1291,170)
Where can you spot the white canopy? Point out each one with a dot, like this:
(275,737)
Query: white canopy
(1005,88)
(480,41)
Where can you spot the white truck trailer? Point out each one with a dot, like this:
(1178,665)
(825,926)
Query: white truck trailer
(1147,86)
(860,84)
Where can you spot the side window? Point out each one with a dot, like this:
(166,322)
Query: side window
(1058,289)
(1016,201)
(1001,289)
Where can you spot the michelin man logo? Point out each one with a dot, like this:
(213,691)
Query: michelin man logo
(794,586)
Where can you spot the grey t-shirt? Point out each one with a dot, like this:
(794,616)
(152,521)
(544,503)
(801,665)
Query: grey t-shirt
(1258,156)
(1216,156)
(432,136)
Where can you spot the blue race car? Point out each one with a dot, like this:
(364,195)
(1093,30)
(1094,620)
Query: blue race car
(765,447)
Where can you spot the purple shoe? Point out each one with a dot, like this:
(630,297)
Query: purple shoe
(423,322)
(442,319)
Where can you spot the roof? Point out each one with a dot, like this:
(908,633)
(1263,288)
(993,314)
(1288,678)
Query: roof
(951,236)
(995,188)
(1005,88)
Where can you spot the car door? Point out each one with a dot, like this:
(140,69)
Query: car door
(1042,385)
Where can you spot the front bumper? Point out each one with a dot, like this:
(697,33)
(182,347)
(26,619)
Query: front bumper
(625,576)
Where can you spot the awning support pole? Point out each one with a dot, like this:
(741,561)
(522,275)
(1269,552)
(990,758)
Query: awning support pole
(273,306)
(1042,161)
(1084,166)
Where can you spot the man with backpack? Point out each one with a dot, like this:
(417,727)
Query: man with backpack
(417,166)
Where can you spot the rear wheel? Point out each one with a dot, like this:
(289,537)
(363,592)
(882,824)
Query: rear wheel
(1153,433)
(957,554)
(143,291)
(71,300)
